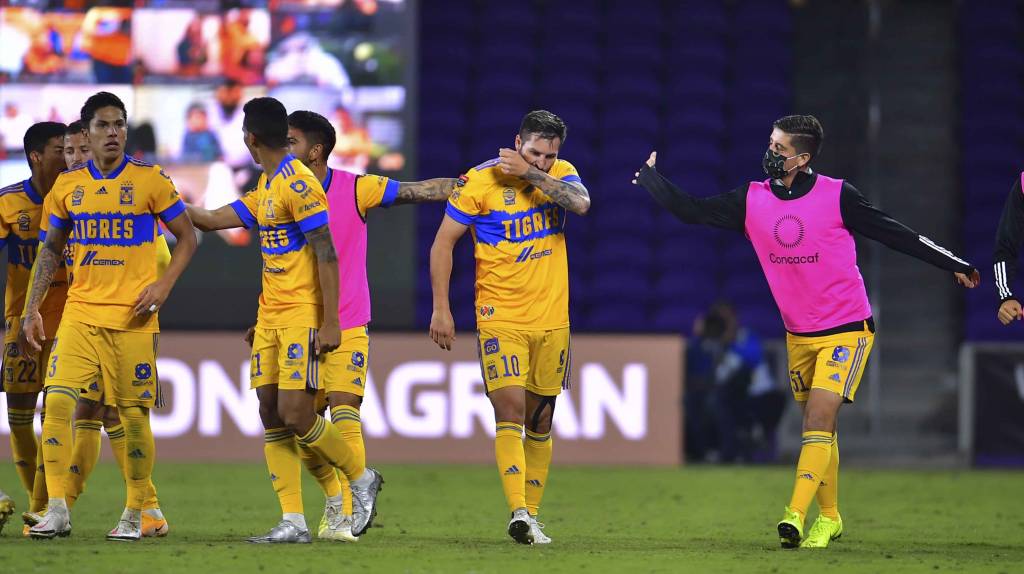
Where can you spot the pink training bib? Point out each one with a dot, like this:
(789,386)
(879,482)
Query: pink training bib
(808,256)
(349,232)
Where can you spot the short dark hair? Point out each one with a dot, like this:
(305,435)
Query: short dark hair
(267,119)
(100,100)
(543,124)
(75,127)
(38,135)
(806,132)
(316,128)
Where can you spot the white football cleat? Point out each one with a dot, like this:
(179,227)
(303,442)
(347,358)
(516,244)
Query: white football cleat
(336,526)
(286,532)
(56,522)
(519,527)
(364,500)
(128,529)
(537,531)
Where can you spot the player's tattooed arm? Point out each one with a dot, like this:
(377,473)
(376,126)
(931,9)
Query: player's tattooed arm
(437,189)
(572,195)
(45,267)
(320,240)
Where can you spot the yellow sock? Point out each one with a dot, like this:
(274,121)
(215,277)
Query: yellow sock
(326,440)
(814,456)
(24,445)
(828,492)
(285,469)
(511,456)
(115,434)
(346,418)
(40,497)
(151,502)
(538,461)
(57,437)
(84,455)
(140,455)
(326,475)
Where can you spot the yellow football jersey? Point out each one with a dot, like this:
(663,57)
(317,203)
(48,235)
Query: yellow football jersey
(522,273)
(21,211)
(374,191)
(285,207)
(113,227)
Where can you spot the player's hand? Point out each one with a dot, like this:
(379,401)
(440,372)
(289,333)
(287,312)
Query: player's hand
(442,329)
(151,298)
(1010,310)
(970,281)
(650,163)
(30,341)
(512,163)
(250,335)
(328,338)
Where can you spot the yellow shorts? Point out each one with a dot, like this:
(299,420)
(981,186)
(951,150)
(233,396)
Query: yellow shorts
(284,357)
(539,361)
(833,362)
(344,369)
(22,374)
(125,362)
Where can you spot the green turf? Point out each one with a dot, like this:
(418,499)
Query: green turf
(452,519)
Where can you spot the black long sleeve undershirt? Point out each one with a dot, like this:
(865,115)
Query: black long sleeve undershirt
(728,211)
(1008,240)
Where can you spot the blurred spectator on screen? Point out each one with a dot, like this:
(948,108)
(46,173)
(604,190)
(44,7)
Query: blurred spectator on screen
(354,147)
(730,396)
(200,145)
(45,53)
(192,49)
(300,58)
(13,125)
(107,38)
(224,115)
(241,52)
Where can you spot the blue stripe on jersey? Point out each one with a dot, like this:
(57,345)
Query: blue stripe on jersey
(314,221)
(139,162)
(459,215)
(572,178)
(242,210)
(281,239)
(488,163)
(16,255)
(32,193)
(59,223)
(519,226)
(13,188)
(283,167)
(173,211)
(114,229)
(42,237)
(390,193)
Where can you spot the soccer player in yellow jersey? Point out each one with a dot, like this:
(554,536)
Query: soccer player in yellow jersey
(110,323)
(515,206)
(21,207)
(91,414)
(311,139)
(298,317)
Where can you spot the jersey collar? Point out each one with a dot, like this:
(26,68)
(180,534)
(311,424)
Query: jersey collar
(32,193)
(95,172)
(327,182)
(284,163)
(802,185)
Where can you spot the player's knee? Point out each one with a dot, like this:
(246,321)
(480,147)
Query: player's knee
(295,418)
(818,419)
(509,412)
(344,400)
(88,409)
(111,418)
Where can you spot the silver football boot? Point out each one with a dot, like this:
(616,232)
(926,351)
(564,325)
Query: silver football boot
(364,502)
(284,533)
(519,527)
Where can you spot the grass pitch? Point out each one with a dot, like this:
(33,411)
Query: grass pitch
(452,519)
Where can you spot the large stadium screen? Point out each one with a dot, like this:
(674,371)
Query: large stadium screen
(184,71)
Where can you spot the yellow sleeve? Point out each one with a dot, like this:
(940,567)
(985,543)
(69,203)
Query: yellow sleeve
(466,202)
(5,228)
(565,171)
(59,216)
(163,255)
(375,191)
(245,206)
(306,201)
(164,199)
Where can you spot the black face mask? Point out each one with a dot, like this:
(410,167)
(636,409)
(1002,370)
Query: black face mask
(774,164)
